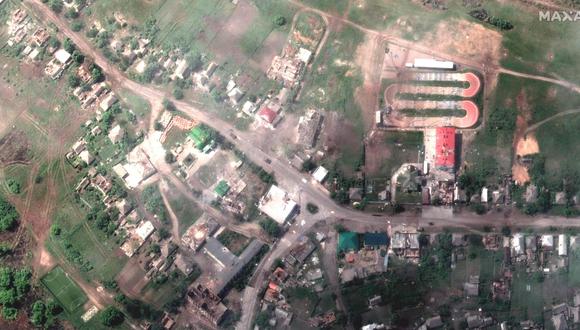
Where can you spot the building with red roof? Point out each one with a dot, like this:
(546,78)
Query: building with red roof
(445,148)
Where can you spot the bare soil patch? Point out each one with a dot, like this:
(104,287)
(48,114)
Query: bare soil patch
(340,140)
(271,47)
(14,148)
(376,153)
(466,39)
(369,56)
(227,42)
(522,144)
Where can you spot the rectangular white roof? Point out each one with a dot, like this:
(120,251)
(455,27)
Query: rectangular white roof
(277,205)
(320,174)
(144,230)
(62,56)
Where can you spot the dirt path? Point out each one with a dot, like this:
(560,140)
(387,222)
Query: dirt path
(556,116)
(163,187)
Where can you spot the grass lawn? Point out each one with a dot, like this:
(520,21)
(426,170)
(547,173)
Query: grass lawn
(185,23)
(332,82)
(99,251)
(64,289)
(187,213)
(330,6)
(560,143)
(174,136)
(235,242)
(139,105)
(404,147)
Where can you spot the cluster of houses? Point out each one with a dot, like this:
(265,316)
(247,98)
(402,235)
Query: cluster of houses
(300,267)
(364,254)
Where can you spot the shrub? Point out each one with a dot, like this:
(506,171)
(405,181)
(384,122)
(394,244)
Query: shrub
(312,208)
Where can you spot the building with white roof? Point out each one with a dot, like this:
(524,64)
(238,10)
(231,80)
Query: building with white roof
(518,244)
(320,174)
(562,245)
(304,55)
(547,242)
(277,205)
(62,56)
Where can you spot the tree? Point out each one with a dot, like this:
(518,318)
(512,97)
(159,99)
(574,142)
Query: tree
(68,45)
(9,313)
(55,230)
(8,216)
(280,21)
(38,315)
(4,249)
(312,208)
(262,320)
(163,233)
(78,57)
(111,317)
(270,227)
(340,228)
(74,81)
(97,74)
(76,26)
(55,5)
(168,105)
(178,93)
(506,231)
(13,186)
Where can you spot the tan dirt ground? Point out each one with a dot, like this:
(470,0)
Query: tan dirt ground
(466,39)
(522,144)
(369,57)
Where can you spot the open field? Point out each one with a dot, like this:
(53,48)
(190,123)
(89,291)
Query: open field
(64,289)
(187,212)
(386,151)
(551,50)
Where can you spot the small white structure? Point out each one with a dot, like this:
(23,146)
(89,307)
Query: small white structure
(547,242)
(562,245)
(277,205)
(484,195)
(518,244)
(180,70)
(320,174)
(428,63)
(62,56)
(116,134)
(86,157)
(304,55)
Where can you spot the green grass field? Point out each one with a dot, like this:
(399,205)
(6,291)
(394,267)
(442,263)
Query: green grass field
(100,251)
(64,289)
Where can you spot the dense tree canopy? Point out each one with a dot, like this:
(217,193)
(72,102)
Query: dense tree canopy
(8,216)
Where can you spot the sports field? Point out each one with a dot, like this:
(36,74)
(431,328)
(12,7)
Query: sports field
(64,289)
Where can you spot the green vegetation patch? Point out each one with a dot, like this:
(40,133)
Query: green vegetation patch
(235,242)
(433,112)
(64,289)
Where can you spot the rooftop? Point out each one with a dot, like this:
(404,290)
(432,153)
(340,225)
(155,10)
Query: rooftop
(277,205)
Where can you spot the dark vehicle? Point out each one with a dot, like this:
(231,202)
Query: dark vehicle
(268,160)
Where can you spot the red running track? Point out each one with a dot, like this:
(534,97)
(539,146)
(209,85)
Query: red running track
(471,115)
(474,85)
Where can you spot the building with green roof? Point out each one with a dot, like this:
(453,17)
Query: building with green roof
(222,188)
(348,241)
(200,136)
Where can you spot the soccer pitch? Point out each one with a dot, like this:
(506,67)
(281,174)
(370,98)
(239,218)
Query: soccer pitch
(64,289)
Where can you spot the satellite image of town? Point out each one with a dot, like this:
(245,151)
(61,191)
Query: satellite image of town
(289,164)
